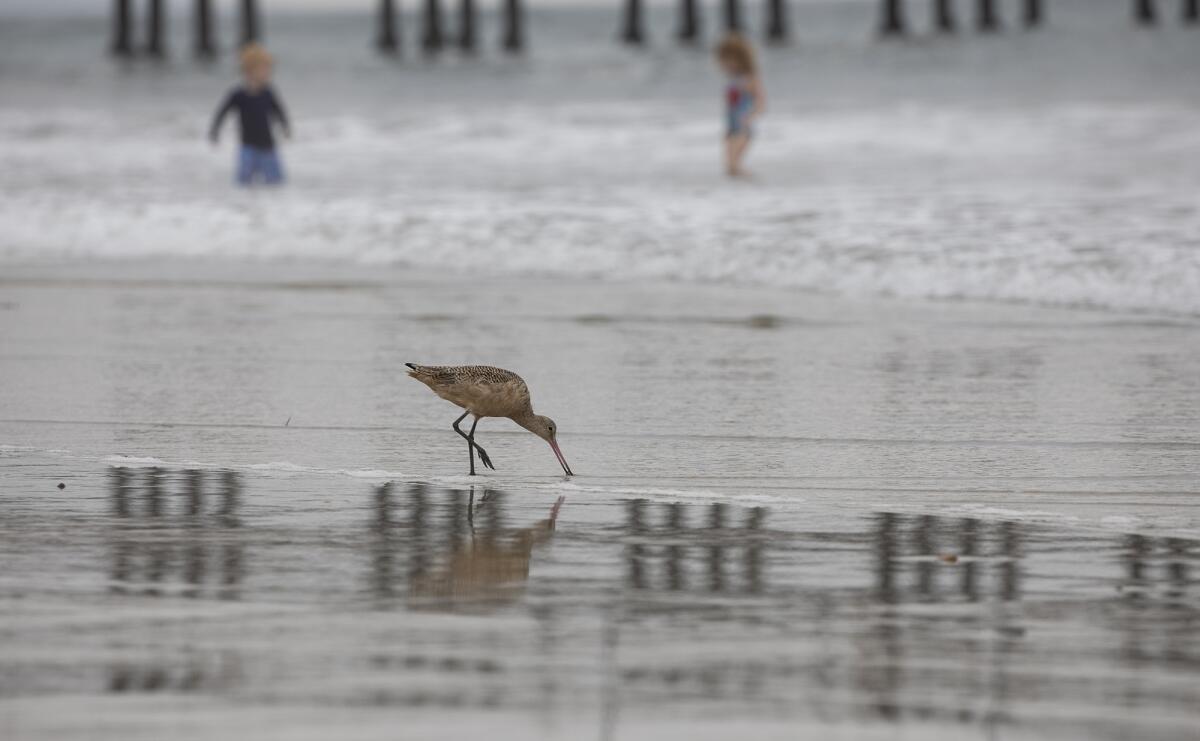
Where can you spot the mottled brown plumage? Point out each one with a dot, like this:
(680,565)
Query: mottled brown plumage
(485,391)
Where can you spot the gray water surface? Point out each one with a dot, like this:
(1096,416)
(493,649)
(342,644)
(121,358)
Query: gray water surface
(795,516)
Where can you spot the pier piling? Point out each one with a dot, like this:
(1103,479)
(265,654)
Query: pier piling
(431,27)
(1145,13)
(1191,12)
(388,41)
(122,42)
(154,30)
(943,16)
(892,20)
(1033,14)
(986,18)
(689,21)
(466,26)
(631,28)
(205,47)
(733,16)
(777,21)
(250,26)
(513,40)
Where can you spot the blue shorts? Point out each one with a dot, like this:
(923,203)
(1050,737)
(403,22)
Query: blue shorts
(736,124)
(254,163)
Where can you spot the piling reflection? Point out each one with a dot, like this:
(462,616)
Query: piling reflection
(676,548)
(642,607)
(939,631)
(175,534)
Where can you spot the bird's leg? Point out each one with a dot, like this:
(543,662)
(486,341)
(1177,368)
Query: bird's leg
(470,442)
(483,456)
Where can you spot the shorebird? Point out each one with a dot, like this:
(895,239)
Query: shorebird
(484,391)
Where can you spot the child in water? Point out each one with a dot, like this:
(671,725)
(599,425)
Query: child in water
(256,105)
(744,99)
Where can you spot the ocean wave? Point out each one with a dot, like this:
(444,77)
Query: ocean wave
(1054,207)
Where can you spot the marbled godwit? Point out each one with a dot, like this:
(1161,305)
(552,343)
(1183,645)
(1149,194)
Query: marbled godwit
(485,391)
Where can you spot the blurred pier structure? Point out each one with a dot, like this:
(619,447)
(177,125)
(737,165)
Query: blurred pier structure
(777,30)
(431,27)
(689,21)
(466,26)
(731,11)
(514,16)
(944,19)
(205,42)
(122,43)
(1033,13)
(155,21)
(631,27)
(892,18)
(388,40)
(893,22)
(1145,12)
(250,26)
(987,17)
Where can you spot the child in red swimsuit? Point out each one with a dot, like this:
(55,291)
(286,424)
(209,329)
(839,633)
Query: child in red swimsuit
(744,98)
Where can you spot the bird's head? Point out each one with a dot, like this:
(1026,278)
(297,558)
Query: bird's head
(545,428)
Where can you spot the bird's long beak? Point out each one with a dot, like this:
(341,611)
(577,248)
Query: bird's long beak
(561,460)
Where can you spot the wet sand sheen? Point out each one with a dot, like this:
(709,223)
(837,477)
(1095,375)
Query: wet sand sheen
(869,519)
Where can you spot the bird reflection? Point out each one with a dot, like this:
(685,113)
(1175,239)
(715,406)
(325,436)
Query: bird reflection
(460,552)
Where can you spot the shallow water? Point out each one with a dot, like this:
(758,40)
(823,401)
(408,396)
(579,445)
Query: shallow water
(793,513)
(196,601)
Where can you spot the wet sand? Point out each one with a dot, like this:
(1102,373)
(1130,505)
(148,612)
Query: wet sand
(795,515)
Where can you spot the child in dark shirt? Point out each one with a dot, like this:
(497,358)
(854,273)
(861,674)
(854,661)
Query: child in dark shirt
(256,105)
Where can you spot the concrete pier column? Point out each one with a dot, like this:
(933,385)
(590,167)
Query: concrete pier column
(891,22)
(943,16)
(987,20)
(431,27)
(205,43)
(388,39)
(689,21)
(251,31)
(732,15)
(466,26)
(777,32)
(1145,12)
(514,37)
(122,39)
(1033,14)
(155,20)
(631,23)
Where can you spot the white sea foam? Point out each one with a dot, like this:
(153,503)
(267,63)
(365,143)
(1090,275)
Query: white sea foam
(282,466)
(129,461)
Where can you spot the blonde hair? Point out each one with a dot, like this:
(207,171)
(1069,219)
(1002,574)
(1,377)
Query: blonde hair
(254,54)
(735,50)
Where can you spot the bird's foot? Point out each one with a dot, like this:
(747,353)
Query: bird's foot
(483,457)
